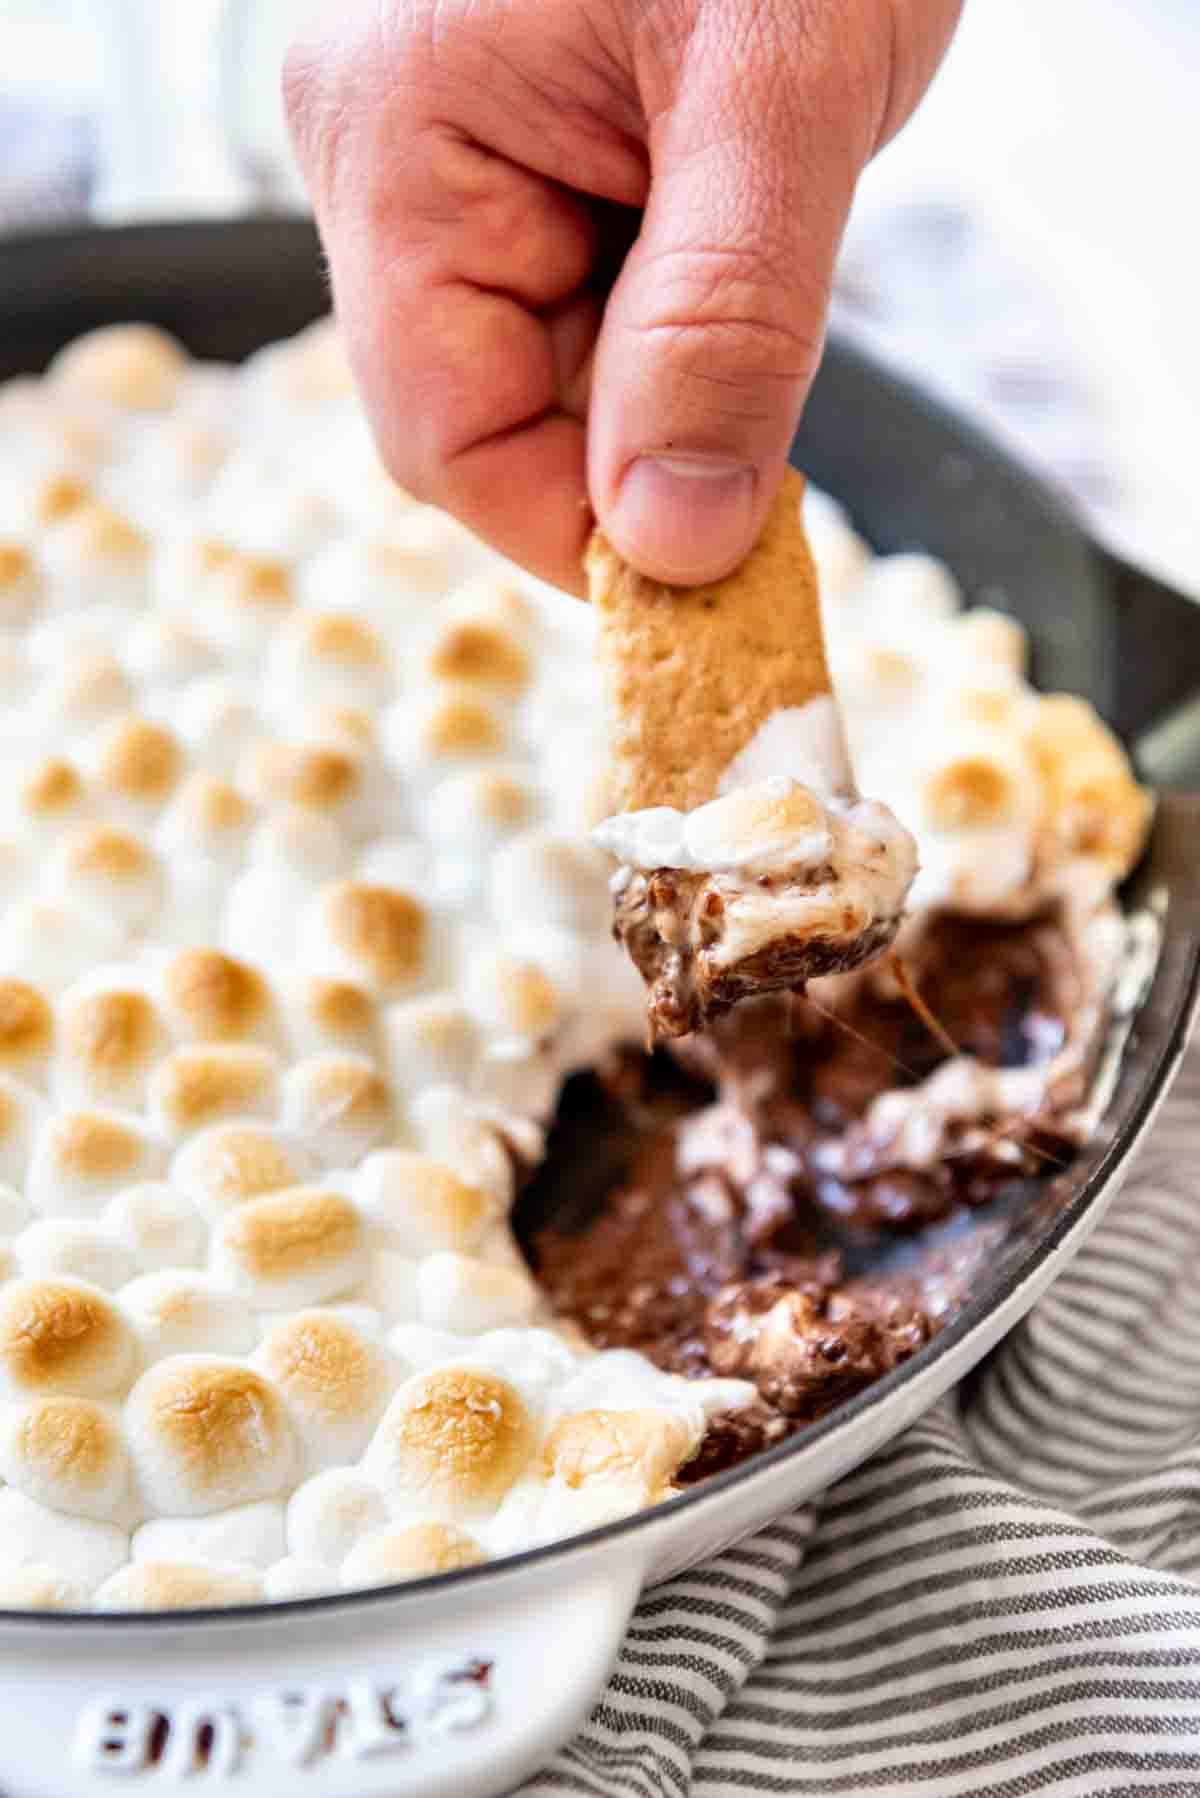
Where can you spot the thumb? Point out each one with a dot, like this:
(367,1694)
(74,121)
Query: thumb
(714,329)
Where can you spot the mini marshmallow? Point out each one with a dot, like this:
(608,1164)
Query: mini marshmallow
(453,1438)
(21,1113)
(109,1038)
(641,1449)
(331,657)
(206,1433)
(208,818)
(85,1251)
(294,1577)
(419,1205)
(475,810)
(85,691)
(218,719)
(295,1247)
(223,1166)
(478,650)
(158,1225)
(317,777)
(62,1336)
(211,997)
(82,1158)
(335,1383)
(48,798)
(329,1014)
(178,1586)
(81,1550)
(138,765)
(97,557)
(51,945)
(55,496)
(39,1587)
(389,1289)
(111,875)
(245,1535)
(22,589)
(985,635)
(196,1087)
(68,1453)
(542,879)
(163,650)
(374,935)
(457,1292)
(26,1029)
(135,368)
(431,1042)
(15,1212)
(330,1514)
(407,1552)
(443,726)
(515,1001)
(179,1312)
(461,1133)
(245,600)
(260,924)
(337,1106)
(300,844)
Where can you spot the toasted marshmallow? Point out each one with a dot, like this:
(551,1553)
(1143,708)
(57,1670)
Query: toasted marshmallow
(374,935)
(81,1550)
(317,777)
(327,1014)
(478,650)
(62,1336)
(208,818)
(87,690)
(420,1206)
(227,1164)
(196,1087)
(180,1312)
(1093,805)
(55,495)
(21,1113)
(452,1438)
(246,598)
(294,1577)
(81,1159)
(109,1038)
(515,1001)
(290,1248)
(40,1587)
(642,1449)
(22,589)
(158,1225)
(48,798)
(111,875)
(911,587)
(337,1106)
(244,1536)
(984,635)
(178,1586)
(206,1433)
(300,845)
(330,1514)
(135,368)
(85,1251)
(97,557)
(26,1029)
(335,1383)
(464,1135)
(331,657)
(139,765)
(444,726)
(211,997)
(430,1042)
(476,809)
(409,1552)
(458,1292)
(68,1453)
(543,879)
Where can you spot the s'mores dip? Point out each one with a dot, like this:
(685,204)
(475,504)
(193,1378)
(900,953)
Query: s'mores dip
(303,929)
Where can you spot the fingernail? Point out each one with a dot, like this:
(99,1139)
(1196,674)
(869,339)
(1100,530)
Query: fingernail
(684,518)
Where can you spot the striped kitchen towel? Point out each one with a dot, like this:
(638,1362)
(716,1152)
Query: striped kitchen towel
(1006,1602)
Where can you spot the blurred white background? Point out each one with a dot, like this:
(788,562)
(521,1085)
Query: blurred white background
(1028,245)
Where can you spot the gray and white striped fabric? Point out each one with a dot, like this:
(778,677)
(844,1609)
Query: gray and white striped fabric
(1006,1602)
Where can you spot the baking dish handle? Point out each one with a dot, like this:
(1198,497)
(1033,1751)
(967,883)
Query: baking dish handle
(461,1702)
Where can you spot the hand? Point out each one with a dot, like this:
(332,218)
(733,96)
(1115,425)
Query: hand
(472,162)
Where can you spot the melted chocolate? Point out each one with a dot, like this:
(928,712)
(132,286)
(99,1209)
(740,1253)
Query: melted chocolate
(700,1230)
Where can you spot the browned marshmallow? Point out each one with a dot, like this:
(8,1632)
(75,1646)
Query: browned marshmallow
(199,1086)
(139,764)
(330,1014)
(406,1553)
(82,1158)
(62,1336)
(112,875)
(206,1433)
(376,935)
(334,1381)
(420,1205)
(641,1449)
(178,1586)
(137,368)
(295,1247)
(455,1438)
(224,1166)
(21,586)
(68,1453)
(109,1039)
(338,1106)
(214,998)
(208,817)
(26,1028)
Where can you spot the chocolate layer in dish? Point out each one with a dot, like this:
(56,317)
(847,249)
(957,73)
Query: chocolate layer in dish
(683,1209)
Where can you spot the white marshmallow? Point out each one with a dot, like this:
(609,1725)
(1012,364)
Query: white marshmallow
(431,1041)
(457,1292)
(294,1577)
(330,1514)
(178,1311)
(337,1106)
(248,1535)
(158,1225)
(86,1251)
(79,1549)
